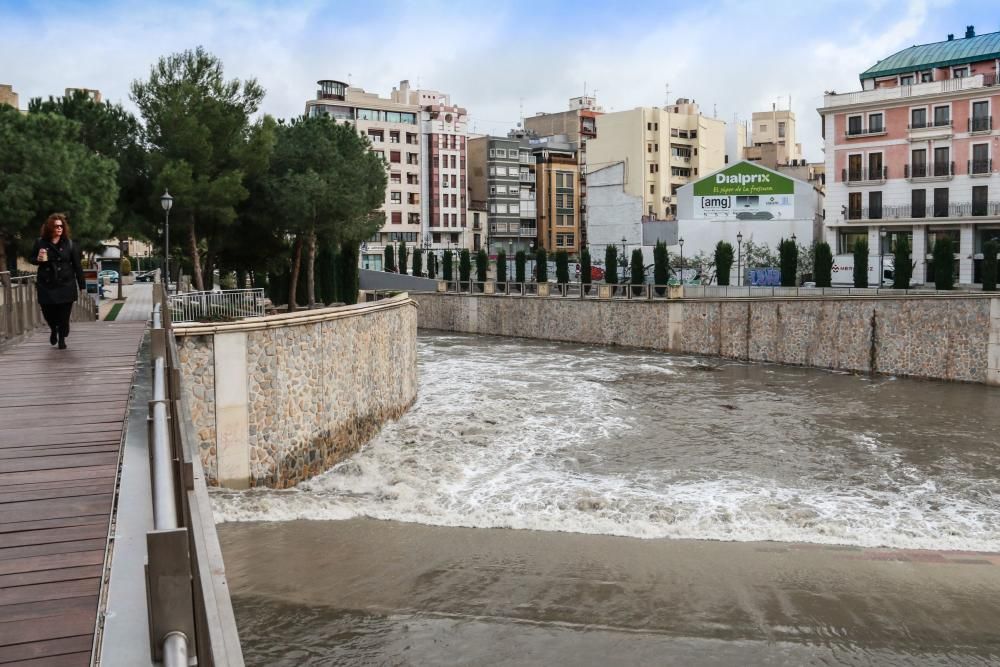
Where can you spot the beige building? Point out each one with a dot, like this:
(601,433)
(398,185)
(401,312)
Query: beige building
(92,93)
(558,196)
(662,149)
(774,139)
(8,96)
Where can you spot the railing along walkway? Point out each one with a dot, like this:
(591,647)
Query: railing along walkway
(61,418)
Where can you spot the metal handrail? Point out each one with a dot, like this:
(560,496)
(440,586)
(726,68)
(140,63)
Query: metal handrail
(221,305)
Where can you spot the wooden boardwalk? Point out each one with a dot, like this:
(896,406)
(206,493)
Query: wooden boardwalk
(62,415)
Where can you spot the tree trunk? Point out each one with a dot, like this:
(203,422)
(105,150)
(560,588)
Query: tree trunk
(3,252)
(311,269)
(210,268)
(293,282)
(199,280)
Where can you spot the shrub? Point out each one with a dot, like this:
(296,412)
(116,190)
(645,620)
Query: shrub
(944,264)
(610,264)
(520,260)
(638,271)
(990,250)
(861,263)
(661,266)
(562,267)
(902,266)
(389,264)
(585,266)
(402,257)
(541,266)
(464,265)
(447,268)
(789,253)
(431,265)
(418,262)
(501,266)
(723,262)
(482,265)
(824,264)
(126,266)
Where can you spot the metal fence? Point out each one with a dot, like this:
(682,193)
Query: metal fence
(224,305)
(191,618)
(19,311)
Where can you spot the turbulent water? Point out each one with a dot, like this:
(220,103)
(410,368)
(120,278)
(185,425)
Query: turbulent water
(561,437)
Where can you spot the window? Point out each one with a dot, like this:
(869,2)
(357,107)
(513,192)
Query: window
(514,189)
(918,118)
(397,218)
(680,171)
(684,134)
(453,162)
(942,116)
(454,201)
(940,202)
(854,125)
(918,163)
(652,189)
(942,164)
(979,199)
(649,127)
(396,197)
(854,172)
(875,122)
(413,218)
(906,80)
(926,77)
(847,238)
(652,169)
(434,162)
(649,148)
(412,198)
(515,209)
(501,171)
(960,72)
(918,203)
(980,121)
(502,152)
(412,179)
(694,134)
(674,132)
(411,158)
(854,206)
(875,172)
(411,138)
(980,159)
(500,189)
(875,205)
(394,137)
(502,209)
(763,127)
(395,157)
(394,177)
(781,130)
(493,152)
(375,136)
(454,181)
(444,180)
(656,127)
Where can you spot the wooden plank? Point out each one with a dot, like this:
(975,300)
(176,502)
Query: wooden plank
(55,508)
(81,659)
(92,531)
(8,528)
(31,550)
(50,591)
(104,434)
(30,610)
(94,487)
(53,475)
(58,462)
(49,648)
(65,450)
(52,562)
(49,576)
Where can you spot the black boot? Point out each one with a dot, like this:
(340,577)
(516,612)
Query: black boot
(53,337)
(62,342)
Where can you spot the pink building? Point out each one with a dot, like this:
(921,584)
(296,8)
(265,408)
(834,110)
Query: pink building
(912,154)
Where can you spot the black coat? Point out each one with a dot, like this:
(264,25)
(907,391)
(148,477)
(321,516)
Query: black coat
(59,278)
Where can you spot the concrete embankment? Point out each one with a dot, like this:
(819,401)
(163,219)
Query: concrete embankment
(940,337)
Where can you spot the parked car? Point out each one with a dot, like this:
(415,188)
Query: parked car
(145,276)
(112,276)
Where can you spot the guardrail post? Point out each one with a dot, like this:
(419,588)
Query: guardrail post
(168,589)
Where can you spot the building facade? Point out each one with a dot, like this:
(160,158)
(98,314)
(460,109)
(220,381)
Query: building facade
(502,184)
(773,136)
(911,155)
(662,149)
(8,96)
(558,189)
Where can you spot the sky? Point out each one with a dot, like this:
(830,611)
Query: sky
(501,61)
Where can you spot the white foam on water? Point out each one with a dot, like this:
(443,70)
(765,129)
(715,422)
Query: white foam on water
(541,449)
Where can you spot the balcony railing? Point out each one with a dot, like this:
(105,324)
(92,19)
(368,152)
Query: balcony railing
(866,131)
(527,177)
(529,231)
(980,166)
(981,124)
(932,170)
(913,90)
(864,175)
(908,211)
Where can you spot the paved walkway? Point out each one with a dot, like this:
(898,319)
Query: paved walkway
(62,414)
(138,303)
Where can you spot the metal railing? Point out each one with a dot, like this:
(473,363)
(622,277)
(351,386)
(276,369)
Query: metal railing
(224,305)
(980,123)
(864,175)
(929,170)
(19,311)
(928,210)
(190,612)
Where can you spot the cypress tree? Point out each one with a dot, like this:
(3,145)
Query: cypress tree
(390,259)
(660,266)
(431,265)
(585,275)
(861,263)
(402,257)
(541,266)
(482,265)
(723,262)
(944,264)
(990,250)
(446,267)
(501,266)
(902,267)
(789,253)
(638,272)
(464,265)
(610,264)
(418,262)
(562,267)
(520,260)
(348,277)
(823,264)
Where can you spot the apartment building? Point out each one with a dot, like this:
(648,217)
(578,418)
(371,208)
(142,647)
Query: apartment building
(577,126)
(558,188)
(8,96)
(773,136)
(502,184)
(911,154)
(661,149)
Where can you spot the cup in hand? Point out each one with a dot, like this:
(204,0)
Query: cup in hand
(43,255)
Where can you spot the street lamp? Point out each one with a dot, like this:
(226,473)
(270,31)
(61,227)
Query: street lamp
(681,242)
(739,258)
(881,254)
(624,261)
(167,202)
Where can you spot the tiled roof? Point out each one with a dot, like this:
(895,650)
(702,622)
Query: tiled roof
(938,54)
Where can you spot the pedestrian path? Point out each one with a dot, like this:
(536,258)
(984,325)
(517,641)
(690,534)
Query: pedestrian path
(138,303)
(62,414)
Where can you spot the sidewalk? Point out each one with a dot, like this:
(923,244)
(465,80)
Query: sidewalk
(136,307)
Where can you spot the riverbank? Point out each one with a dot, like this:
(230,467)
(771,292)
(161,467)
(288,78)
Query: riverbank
(308,592)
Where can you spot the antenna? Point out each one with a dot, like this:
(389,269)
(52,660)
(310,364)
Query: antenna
(521,108)
(348,78)
(715,113)
(584,87)
(666,88)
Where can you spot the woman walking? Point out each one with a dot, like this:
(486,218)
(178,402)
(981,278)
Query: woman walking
(60,274)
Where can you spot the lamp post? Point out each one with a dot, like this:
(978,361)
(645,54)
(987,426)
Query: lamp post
(167,202)
(624,261)
(681,242)
(881,254)
(739,258)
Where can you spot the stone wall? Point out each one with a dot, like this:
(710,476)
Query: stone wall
(279,399)
(950,338)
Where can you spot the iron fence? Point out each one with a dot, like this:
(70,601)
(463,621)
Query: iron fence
(234,304)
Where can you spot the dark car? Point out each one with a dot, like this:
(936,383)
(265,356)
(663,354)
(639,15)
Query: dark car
(145,276)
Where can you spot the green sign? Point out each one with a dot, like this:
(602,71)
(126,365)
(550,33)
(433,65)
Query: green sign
(744,179)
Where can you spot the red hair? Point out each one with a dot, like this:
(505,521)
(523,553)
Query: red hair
(49,228)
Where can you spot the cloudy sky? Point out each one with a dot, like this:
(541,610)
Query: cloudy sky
(732,57)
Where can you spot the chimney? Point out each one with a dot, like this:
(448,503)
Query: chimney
(970,31)
(951,37)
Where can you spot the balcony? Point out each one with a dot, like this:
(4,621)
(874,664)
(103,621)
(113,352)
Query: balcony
(832,100)
(937,171)
(529,231)
(527,177)
(980,167)
(853,133)
(864,176)
(981,124)
(504,228)
(908,212)
(527,159)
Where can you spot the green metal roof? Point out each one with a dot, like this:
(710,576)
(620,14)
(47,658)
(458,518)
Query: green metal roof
(958,51)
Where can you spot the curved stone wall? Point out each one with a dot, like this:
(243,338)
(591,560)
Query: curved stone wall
(276,400)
